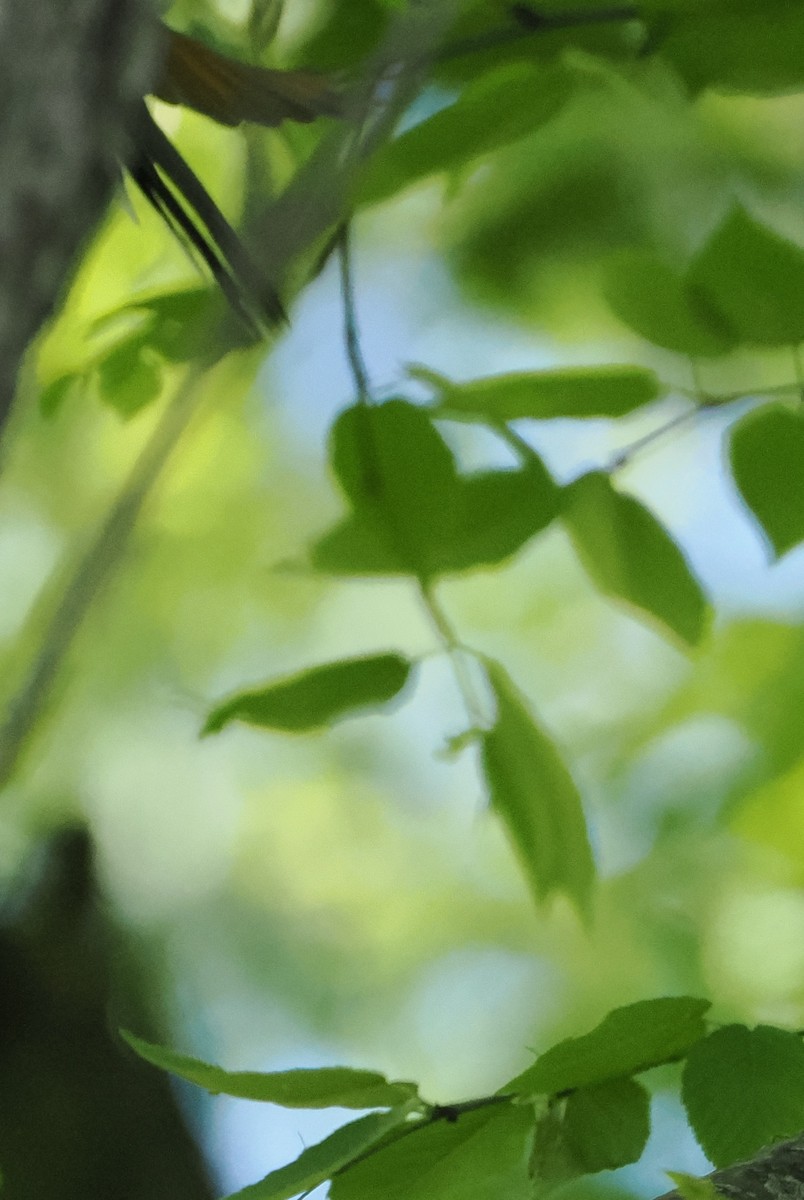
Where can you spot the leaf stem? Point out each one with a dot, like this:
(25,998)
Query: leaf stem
(456,652)
(351,332)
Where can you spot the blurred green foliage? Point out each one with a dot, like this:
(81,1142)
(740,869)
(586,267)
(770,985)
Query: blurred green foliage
(588,240)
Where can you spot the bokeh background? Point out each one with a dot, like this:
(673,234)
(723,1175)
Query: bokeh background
(345,897)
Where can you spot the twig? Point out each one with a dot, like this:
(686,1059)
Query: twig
(531,22)
(351,334)
(90,574)
(373,481)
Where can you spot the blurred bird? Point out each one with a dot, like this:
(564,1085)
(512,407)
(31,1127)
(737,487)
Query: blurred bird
(229,92)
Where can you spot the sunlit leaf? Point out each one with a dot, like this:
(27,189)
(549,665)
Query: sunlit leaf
(694,1187)
(533,794)
(743,1089)
(57,392)
(129,378)
(628,1040)
(651,298)
(317,696)
(498,108)
(631,556)
(319,1087)
(766,452)
(755,278)
(573,392)
(321,1162)
(480,1156)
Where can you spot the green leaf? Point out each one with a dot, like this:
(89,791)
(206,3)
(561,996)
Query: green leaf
(357,545)
(631,557)
(496,513)
(412,512)
(316,697)
(317,1164)
(694,1187)
(552,1161)
(57,392)
(480,1156)
(534,795)
(573,392)
(766,453)
(738,45)
(743,1089)
(754,278)
(400,477)
(498,108)
(607,1124)
(130,377)
(628,1040)
(319,1087)
(652,299)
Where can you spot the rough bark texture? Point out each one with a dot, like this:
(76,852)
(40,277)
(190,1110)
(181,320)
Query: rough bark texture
(70,71)
(775,1174)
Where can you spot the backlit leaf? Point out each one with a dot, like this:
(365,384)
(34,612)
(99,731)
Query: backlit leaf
(496,109)
(480,1156)
(400,478)
(316,697)
(607,1124)
(497,512)
(533,794)
(631,556)
(129,378)
(321,1162)
(766,452)
(651,298)
(754,278)
(738,45)
(412,513)
(743,1089)
(628,1040)
(319,1087)
(573,392)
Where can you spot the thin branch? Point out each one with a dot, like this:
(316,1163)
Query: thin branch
(93,570)
(351,332)
(531,21)
(456,652)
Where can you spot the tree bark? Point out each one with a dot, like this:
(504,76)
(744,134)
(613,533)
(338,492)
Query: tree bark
(777,1173)
(70,72)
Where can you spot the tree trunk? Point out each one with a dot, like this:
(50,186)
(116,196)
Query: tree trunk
(70,71)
